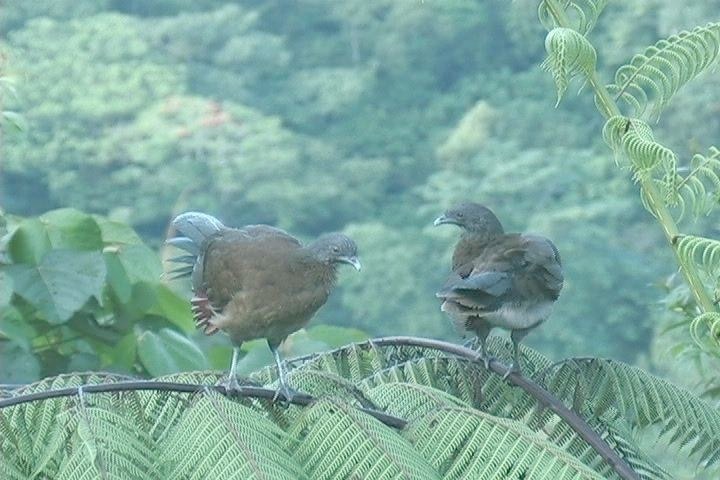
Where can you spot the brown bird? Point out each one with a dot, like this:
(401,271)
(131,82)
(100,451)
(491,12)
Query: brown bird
(256,281)
(498,280)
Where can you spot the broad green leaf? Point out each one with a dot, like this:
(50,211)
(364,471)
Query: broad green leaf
(14,327)
(115,232)
(122,354)
(140,263)
(336,336)
(168,351)
(18,366)
(6,288)
(173,307)
(117,277)
(61,284)
(29,242)
(72,229)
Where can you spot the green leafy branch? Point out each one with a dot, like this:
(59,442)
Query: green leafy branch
(651,79)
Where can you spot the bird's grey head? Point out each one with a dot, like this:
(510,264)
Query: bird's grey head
(471,217)
(333,248)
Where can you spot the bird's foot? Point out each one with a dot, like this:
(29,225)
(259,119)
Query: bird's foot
(486,360)
(512,368)
(233,386)
(284,394)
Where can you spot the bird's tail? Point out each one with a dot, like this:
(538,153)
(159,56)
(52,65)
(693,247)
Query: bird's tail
(194,228)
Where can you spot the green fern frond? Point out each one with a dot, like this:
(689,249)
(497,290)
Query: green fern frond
(411,400)
(337,441)
(219,438)
(700,188)
(582,14)
(652,77)
(466,443)
(634,139)
(569,54)
(704,252)
(106,444)
(705,331)
(621,393)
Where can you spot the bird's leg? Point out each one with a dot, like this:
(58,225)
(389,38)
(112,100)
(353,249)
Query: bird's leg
(232,383)
(516,336)
(284,388)
(483,330)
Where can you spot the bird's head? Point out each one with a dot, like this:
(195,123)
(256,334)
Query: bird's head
(471,217)
(334,248)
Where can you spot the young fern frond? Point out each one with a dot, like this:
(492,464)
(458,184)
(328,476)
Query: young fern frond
(701,251)
(582,14)
(569,54)
(705,331)
(654,76)
(700,188)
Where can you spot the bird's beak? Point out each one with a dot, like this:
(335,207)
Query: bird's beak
(354,261)
(442,220)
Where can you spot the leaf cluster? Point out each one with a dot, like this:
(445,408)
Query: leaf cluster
(463,421)
(80,291)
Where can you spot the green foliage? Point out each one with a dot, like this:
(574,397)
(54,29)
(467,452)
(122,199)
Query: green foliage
(80,292)
(582,14)
(653,77)
(489,430)
(569,53)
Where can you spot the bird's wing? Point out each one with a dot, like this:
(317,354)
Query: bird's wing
(541,268)
(237,260)
(512,269)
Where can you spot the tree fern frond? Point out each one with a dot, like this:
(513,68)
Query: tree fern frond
(702,251)
(705,331)
(652,77)
(569,53)
(337,441)
(454,376)
(700,188)
(582,14)
(106,444)
(411,400)
(634,139)
(638,399)
(465,443)
(220,438)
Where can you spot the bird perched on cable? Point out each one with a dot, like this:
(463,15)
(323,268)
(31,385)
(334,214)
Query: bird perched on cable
(256,281)
(498,279)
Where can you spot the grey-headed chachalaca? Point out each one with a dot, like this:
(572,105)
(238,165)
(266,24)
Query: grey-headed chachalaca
(498,279)
(256,281)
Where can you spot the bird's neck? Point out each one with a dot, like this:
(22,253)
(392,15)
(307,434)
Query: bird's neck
(324,272)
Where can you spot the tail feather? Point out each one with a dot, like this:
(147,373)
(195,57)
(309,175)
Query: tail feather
(197,226)
(183,259)
(194,228)
(184,243)
(203,313)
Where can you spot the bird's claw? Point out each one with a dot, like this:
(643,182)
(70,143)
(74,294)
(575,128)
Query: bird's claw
(284,394)
(486,361)
(512,368)
(233,386)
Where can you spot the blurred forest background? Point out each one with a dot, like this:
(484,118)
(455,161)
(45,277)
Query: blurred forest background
(364,117)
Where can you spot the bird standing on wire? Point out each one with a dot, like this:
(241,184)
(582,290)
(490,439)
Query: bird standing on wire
(498,279)
(256,281)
